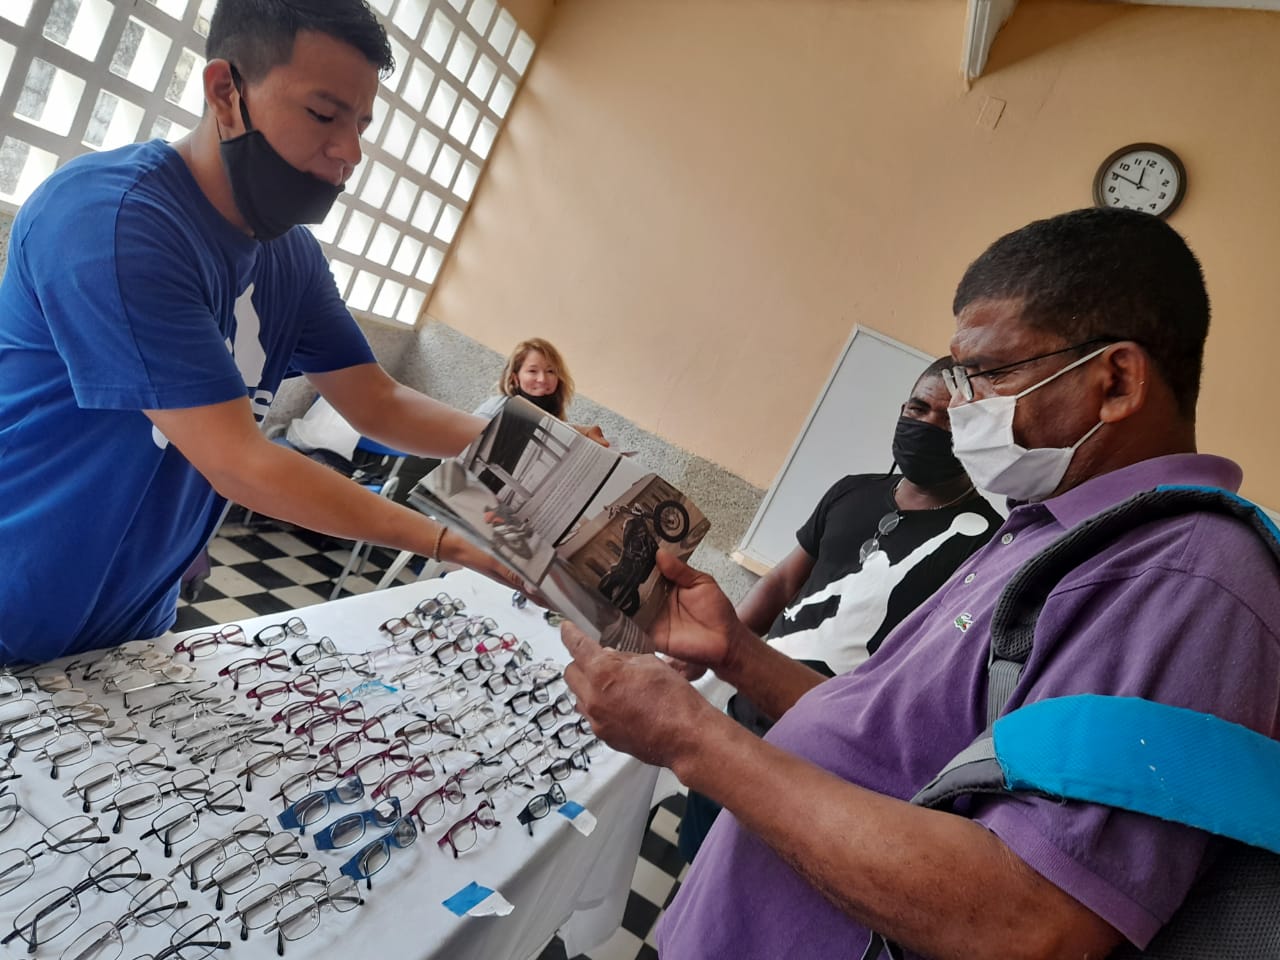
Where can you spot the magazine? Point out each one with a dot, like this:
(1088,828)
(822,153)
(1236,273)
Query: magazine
(580,523)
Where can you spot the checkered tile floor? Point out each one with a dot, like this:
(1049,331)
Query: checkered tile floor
(268,568)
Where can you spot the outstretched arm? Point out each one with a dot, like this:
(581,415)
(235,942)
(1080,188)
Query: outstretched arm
(395,415)
(224,443)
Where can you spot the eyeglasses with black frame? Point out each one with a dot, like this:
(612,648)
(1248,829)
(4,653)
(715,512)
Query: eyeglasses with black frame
(71,835)
(541,805)
(104,780)
(59,909)
(196,939)
(181,820)
(140,800)
(151,906)
(959,380)
(292,629)
(259,906)
(301,917)
(240,870)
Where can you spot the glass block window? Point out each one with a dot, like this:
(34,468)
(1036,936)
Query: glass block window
(80,75)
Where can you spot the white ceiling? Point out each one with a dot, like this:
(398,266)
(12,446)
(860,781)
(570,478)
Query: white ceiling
(985,18)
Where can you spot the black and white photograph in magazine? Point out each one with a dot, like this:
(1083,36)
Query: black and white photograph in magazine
(579,522)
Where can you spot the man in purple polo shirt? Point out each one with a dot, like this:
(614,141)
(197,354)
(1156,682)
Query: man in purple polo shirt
(1078,349)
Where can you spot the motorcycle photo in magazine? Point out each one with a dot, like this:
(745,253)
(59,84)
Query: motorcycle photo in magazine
(580,523)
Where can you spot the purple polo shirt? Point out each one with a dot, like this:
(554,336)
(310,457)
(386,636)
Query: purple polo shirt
(1184,611)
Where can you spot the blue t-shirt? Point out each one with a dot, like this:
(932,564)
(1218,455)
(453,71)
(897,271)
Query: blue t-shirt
(127,291)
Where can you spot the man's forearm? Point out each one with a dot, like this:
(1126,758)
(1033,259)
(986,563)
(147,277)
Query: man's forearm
(769,679)
(288,486)
(890,865)
(417,424)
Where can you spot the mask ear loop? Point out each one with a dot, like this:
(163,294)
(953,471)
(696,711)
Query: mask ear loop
(1069,366)
(238,82)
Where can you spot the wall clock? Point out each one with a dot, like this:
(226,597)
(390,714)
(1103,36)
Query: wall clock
(1141,176)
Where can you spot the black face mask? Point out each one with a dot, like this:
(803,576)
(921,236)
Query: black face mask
(271,194)
(548,403)
(923,452)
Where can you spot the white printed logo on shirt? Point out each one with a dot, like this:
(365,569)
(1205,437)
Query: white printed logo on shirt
(250,359)
(841,639)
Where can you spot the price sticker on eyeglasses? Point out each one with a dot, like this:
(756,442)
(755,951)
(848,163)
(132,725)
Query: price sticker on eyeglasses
(583,820)
(474,900)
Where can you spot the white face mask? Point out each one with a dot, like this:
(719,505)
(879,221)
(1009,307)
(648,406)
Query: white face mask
(982,437)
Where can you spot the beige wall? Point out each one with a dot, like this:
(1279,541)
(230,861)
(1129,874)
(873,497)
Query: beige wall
(532,15)
(696,199)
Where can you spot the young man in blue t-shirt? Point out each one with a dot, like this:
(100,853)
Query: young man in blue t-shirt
(155,298)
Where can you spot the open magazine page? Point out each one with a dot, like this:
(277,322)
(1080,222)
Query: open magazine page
(581,524)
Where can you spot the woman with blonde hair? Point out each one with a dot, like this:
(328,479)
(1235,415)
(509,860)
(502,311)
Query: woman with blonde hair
(536,371)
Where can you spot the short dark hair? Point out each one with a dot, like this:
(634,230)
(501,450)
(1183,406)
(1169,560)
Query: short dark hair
(1104,273)
(257,35)
(933,370)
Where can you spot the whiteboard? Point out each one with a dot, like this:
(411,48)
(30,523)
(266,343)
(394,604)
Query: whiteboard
(849,430)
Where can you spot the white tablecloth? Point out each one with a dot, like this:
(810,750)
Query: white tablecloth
(557,879)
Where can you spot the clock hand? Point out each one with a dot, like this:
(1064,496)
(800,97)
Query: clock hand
(1136,183)
(1141,173)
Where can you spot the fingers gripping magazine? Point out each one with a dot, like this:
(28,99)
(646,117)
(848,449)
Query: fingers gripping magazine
(581,524)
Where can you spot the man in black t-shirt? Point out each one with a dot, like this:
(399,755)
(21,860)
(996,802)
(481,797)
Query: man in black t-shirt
(874,549)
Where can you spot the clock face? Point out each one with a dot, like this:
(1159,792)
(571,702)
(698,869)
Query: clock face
(1141,176)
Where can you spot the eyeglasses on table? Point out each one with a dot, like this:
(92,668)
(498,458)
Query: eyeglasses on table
(401,783)
(496,643)
(140,800)
(373,856)
(573,732)
(72,835)
(270,693)
(236,746)
(439,607)
(266,764)
(314,805)
(291,629)
(301,917)
(430,809)
(291,715)
(370,767)
(541,805)
(309,653)
(59,909)
(350,827)
(419,732)
(9,805)
(176,823)
(206,644)
(563,767)
(151,906)
(249,669)
(323,725)
(241,870)
(199,860)
(259,906)
(462,836)
(548,716)
(196,939)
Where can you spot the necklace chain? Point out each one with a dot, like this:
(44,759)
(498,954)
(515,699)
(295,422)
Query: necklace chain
(893,495)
